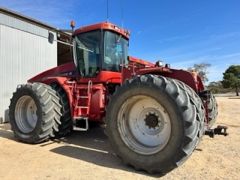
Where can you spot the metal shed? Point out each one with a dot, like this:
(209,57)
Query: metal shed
(27,47)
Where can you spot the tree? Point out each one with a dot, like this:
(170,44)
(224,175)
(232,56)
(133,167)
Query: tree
(215,87)
(201,69)
(231,78)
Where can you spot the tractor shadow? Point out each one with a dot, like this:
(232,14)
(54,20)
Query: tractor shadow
(93,147)
(237,97)
(5,131)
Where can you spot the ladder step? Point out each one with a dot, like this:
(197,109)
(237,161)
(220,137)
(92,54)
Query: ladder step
(80,127)
(84,107)
(82,97)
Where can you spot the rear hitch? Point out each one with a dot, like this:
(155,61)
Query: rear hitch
(219,130)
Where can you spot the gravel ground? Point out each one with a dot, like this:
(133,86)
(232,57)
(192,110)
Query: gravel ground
(87,155)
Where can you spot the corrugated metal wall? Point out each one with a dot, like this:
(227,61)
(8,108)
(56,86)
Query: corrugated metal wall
(24,52)
(22,25)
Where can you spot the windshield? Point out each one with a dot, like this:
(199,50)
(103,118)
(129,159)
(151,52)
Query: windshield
(115,51)
(87,50)
(99,50)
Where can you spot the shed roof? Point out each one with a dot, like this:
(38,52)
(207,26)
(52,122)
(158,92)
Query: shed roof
(29,19)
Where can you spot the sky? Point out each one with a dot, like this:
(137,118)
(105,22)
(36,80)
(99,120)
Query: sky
(181,33)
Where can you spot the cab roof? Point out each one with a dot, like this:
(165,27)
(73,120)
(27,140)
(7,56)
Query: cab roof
(104,26)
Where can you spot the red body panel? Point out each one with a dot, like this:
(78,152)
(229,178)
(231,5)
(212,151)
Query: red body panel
(188,78)
(191,79)
(140,61)
(68,70)
(74,86)
(104,77)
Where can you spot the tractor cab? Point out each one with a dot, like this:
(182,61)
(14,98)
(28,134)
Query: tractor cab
(99,48)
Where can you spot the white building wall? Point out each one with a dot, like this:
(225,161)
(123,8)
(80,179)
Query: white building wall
(23,54)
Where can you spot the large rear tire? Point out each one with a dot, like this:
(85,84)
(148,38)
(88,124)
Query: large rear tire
(34,113)
(66,126)
(153,123)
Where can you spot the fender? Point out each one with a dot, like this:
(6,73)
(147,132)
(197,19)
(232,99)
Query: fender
(192,79)
(65,70)
(138,66)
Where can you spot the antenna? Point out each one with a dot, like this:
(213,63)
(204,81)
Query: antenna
(107,11)
(122,21)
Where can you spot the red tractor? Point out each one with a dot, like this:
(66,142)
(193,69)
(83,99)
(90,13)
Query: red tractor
(155,115)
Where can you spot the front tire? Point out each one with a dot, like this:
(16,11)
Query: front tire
(34,113)
(153,124)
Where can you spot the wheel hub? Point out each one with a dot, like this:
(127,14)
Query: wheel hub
(151,120)
(144,124)
(26,114)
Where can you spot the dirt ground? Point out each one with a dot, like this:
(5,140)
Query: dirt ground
(88,155)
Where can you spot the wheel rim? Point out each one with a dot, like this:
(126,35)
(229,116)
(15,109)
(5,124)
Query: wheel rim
(26,114)
(144,125)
